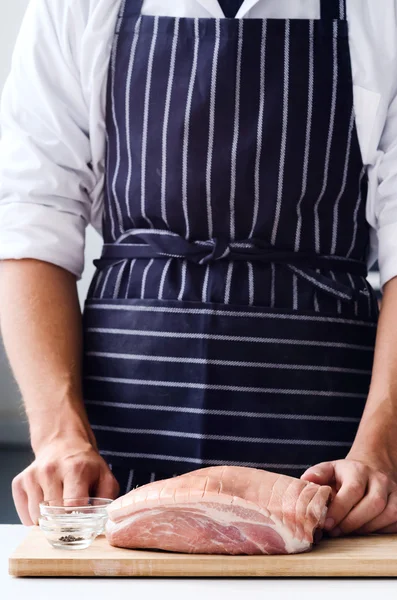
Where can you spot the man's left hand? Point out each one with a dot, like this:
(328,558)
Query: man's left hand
(364,495)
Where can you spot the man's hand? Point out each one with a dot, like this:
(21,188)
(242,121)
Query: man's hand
(364,495)
(65,468)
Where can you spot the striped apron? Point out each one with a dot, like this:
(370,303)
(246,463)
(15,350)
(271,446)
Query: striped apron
(229,320)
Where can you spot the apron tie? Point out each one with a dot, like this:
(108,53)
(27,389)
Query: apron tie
(158,243)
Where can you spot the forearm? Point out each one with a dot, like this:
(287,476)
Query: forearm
(40,322)
(378,428)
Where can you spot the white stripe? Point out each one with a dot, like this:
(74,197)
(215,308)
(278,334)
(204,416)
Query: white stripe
(220,438)
(251,284)
(224,413)
(211,134)
(228,313)
(315,301)
(183,280)
(190,385)
(146,120)
(369,297)
(273,287)
(199,461)
(130,480)
(283,134)
(316,304)
(108,205)
(295,291)
(330,137)
(228,284)
(236,131)
(144,277)
(355,226)
(163,276)
(128,114)
(319,284)
(166,121)
(226,363)
(354,288)
(116,125)
(308,136)
(154,232)
(205,284)
(129,278)
(335,223)
(341,9)
(261,111)
(152,477)
(98,282)
(106,279)
(226,338)
(339,303)
(118,280)
(187,126)
(226,253)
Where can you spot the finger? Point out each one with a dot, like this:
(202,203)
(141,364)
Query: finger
(20,498)
(390,529)
(35,496)
(51,484)
(371,506)
(76,486)
(108,486)
(322,474)
(386,519)
(353,484)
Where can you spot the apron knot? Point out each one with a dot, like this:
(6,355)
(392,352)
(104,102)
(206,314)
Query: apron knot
(216,250)
(158,243)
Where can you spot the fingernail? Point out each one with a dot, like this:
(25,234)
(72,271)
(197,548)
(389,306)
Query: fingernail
(329,523)
(335,532)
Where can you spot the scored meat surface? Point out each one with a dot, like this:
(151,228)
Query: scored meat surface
(220,510)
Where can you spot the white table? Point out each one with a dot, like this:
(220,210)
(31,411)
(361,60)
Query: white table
(178,589)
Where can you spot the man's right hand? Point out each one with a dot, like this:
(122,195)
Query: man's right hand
(64,468)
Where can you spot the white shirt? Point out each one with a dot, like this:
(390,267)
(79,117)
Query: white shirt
(53,119)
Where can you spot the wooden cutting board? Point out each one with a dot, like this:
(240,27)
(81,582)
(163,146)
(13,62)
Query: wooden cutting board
(373,556)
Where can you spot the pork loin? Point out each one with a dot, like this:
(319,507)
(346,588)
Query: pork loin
(220,510)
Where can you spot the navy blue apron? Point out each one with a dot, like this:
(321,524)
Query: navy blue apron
(229,320)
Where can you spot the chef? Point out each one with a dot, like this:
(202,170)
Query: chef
(240,161)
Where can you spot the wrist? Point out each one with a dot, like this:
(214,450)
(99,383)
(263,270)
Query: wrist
(70,422)
(376,438)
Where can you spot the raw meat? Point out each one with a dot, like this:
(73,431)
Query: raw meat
(220,510)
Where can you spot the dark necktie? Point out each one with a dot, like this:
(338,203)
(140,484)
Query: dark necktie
(230,7)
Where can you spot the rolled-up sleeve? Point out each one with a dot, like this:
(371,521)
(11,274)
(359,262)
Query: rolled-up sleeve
(385,206)
(45,172)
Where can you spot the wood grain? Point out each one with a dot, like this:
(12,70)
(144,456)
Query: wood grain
(372,556)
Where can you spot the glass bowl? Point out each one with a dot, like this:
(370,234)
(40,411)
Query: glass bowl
(73,523)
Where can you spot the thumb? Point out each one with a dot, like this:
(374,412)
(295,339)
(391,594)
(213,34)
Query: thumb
(322,474)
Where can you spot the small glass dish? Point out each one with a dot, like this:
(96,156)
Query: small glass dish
(73,523)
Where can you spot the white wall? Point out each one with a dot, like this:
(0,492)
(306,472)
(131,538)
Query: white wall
(13,425)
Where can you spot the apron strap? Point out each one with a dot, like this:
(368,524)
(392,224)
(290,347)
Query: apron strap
(153,243)
(333,9)
(131,8)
